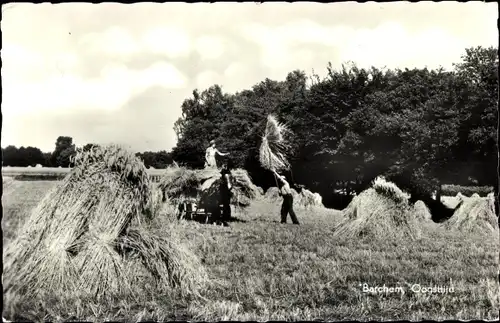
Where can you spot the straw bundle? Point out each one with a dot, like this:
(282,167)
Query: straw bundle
(379,212)
(421,211)
(73,238)
(272,194)
(303,199)
(274,146)
(179,183)
(307,198)
(474,215)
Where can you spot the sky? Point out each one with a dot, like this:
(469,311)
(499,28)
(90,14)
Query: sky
(118,73)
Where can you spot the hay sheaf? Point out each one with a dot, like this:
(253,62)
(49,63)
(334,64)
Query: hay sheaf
(305,198)
(179,183)
(474,215)
(75,238)
(274,147)
(421,211)
(378,216)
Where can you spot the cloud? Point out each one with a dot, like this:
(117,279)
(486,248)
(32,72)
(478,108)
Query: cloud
(209,47)
(389,44)
(117,83)
(206,79)
(144,122)
(90,71)
(114,41)
(171,41)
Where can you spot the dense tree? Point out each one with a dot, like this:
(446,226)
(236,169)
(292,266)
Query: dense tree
(420,127)
(23,156)
(63,152)
(158,160)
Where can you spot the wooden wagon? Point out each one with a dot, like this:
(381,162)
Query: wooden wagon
(199,208)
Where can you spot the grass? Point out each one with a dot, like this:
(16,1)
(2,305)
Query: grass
(52,173)
(266,271)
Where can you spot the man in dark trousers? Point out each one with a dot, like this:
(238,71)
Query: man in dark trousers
(287,206)
(225,193)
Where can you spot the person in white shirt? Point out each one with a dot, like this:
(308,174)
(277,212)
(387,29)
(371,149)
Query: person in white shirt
(287,206)
(210,161)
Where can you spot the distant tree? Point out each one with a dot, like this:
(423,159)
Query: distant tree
(10,156)
(22,157)
(47,160)
(158,160)
(34,156)
(63,151)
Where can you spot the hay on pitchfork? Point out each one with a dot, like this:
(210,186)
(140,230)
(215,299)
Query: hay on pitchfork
(72,239)
(274,147)
(474,215)
(379,212)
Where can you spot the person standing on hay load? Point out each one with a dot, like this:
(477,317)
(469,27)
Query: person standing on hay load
(287,206)
(210,161)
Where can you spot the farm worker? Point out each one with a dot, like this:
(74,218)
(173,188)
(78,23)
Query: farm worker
(210,153)
(225,193)
(287,206)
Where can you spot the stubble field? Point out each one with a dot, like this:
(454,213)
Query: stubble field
(263,270)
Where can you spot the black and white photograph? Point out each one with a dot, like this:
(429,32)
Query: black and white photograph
(252,161)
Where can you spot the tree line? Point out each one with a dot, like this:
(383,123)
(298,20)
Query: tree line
(418,127)
(64,150)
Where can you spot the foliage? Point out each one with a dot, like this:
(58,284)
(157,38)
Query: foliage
(453,190)
(23,157)
(158,160)
(418,127)
(64,151)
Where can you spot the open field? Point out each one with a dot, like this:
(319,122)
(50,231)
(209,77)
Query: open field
(267,271)
(52,173)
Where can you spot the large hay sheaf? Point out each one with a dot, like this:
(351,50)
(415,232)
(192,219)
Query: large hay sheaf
(274,147)
(179,183)
(75,238)
(379,212)
(475,214)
